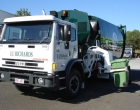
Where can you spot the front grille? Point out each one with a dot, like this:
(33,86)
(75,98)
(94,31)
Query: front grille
(20,63)
(26,64)
(8,62)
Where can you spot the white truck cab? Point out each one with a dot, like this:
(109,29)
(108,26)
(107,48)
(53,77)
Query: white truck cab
(34,50)
(37,39)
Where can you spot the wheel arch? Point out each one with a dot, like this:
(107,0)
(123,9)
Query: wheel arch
(74,64)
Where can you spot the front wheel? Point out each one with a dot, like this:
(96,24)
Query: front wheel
(24,88)
(74,84)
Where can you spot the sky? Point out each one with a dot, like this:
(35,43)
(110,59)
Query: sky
(125,12)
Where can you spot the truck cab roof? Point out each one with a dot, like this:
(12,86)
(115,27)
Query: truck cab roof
(36,18)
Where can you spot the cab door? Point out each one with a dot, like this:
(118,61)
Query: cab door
(65,50)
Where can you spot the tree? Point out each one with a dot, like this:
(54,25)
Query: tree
(23,12)
(133,38)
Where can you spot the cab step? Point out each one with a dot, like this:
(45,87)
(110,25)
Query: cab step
(61,88)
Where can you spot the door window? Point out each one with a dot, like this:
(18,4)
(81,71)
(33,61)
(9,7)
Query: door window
(73,34)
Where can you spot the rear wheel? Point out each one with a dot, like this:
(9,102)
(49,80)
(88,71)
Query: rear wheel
(24,88)
(74,84)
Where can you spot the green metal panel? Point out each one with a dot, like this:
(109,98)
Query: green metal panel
(81,20)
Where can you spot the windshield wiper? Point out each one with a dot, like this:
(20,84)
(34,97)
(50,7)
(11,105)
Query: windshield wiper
(13,38)
(46,36)
(28,39)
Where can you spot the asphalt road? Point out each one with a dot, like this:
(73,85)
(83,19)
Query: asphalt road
(98,95)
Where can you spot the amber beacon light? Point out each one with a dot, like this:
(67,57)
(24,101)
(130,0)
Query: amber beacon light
(64,13)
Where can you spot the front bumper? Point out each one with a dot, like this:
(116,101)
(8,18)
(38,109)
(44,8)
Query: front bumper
(32,79)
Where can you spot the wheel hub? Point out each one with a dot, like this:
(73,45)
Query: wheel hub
(74,84)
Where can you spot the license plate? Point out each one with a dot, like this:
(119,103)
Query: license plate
(19,63)
(20,81)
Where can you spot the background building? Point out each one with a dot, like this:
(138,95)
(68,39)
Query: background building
(4,14)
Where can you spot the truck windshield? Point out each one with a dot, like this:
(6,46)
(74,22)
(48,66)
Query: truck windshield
(28,32)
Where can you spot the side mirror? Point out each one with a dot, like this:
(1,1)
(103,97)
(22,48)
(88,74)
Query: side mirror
(62,33)
(67,32)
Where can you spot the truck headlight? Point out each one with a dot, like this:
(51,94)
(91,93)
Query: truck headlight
(2,75)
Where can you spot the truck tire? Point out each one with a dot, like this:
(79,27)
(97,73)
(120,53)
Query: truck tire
(24,88)
(74,84)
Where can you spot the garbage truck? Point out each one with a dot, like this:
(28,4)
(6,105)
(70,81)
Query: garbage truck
(60,50)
